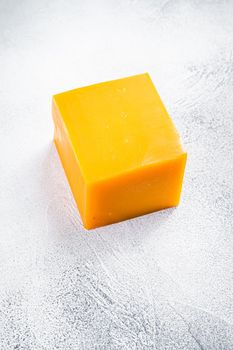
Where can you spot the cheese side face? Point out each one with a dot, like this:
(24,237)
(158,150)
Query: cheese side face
(120,150)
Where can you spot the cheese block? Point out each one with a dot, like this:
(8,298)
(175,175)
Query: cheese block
(119,148)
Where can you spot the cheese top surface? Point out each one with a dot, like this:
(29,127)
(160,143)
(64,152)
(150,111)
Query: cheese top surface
(118,126)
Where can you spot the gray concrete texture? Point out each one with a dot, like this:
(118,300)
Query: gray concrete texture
(161,281)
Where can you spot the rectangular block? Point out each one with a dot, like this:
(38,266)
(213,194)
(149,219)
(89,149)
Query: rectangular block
(120,150)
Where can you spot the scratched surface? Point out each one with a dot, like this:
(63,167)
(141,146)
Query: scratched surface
(162,281)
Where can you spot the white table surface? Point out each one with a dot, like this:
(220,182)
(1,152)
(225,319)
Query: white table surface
(161,281)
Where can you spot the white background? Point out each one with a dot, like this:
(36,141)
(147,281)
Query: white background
(162,281)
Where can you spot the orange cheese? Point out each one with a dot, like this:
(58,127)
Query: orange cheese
(120,150)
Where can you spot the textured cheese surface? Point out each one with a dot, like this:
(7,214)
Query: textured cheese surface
(118,126)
